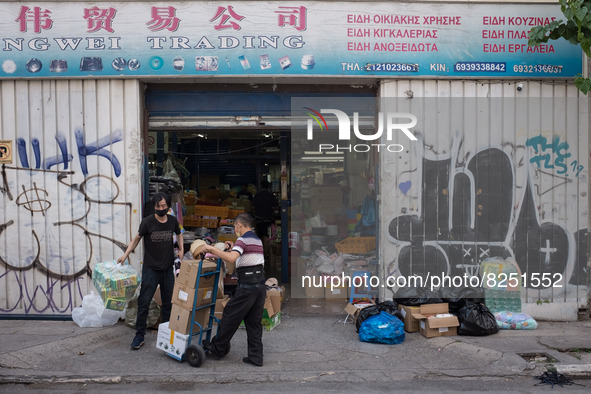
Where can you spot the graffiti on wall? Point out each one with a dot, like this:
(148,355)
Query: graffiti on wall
(472,208)
(57,224)
(552,155)
(83,150)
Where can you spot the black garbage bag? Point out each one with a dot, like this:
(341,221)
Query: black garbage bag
(458,297)
(385,306)
(477,320)
(416,296)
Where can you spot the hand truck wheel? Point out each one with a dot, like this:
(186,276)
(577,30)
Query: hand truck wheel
(195,355)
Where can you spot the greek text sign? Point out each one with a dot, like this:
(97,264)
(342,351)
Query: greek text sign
(385,39)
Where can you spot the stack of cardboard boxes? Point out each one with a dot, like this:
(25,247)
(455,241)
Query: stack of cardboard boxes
(431,320)
(173,335)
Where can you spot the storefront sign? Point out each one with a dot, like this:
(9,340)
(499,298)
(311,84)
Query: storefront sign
(388,39)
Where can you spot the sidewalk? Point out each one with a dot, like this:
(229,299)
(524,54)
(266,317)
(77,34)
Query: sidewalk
(312,344)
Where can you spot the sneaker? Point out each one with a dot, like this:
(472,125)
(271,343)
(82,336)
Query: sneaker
(137,342)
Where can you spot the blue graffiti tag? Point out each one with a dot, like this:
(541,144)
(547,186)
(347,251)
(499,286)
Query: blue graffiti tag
(84,150)
(544,151)
(96,149)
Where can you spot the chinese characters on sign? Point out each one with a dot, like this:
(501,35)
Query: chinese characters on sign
(161,18)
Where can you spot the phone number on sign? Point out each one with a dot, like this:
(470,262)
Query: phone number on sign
(538,68)
(393,67)
(499,67)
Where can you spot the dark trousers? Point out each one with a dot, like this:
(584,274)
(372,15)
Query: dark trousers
(247,304)
(261,227)
(150,281)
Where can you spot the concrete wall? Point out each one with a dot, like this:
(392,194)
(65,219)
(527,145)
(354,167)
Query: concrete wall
(71,196)
(500,172)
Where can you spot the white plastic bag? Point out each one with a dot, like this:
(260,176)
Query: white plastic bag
(92,313)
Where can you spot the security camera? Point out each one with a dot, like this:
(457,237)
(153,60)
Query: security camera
(519,87)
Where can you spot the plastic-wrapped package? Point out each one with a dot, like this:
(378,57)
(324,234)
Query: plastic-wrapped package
(382,328)
(515,321)
(115,283)
(385,306)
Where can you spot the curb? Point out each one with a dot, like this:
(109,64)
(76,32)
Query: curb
(580,371)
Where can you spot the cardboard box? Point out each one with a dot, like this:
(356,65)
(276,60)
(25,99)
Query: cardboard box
(411,324)
(268,311)
(271,322)
(183,295)
(172,342)
(353,309)
(430,325)
(227,237)
(180,319)
(237,203)
(439,327)
(188,273)
(336,292)
(209,195)
(312,291)
(115,304)
(300,267)
(275,298)
(220,304)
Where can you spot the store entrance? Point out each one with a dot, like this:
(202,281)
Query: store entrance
(213,174)
(215,138)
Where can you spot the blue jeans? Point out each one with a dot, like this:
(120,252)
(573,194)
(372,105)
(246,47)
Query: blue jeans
(150,281)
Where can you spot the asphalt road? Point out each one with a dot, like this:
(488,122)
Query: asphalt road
(444,385)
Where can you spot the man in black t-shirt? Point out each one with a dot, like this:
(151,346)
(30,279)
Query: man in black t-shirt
(157,269)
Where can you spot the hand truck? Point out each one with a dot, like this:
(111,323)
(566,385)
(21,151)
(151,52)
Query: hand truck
(195,353)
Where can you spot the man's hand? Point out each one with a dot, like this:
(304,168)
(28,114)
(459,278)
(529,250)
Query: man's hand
(121,259)
(206,249)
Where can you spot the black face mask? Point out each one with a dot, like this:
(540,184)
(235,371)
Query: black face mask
(161,212)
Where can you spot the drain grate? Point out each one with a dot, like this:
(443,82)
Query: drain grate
(537,357)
